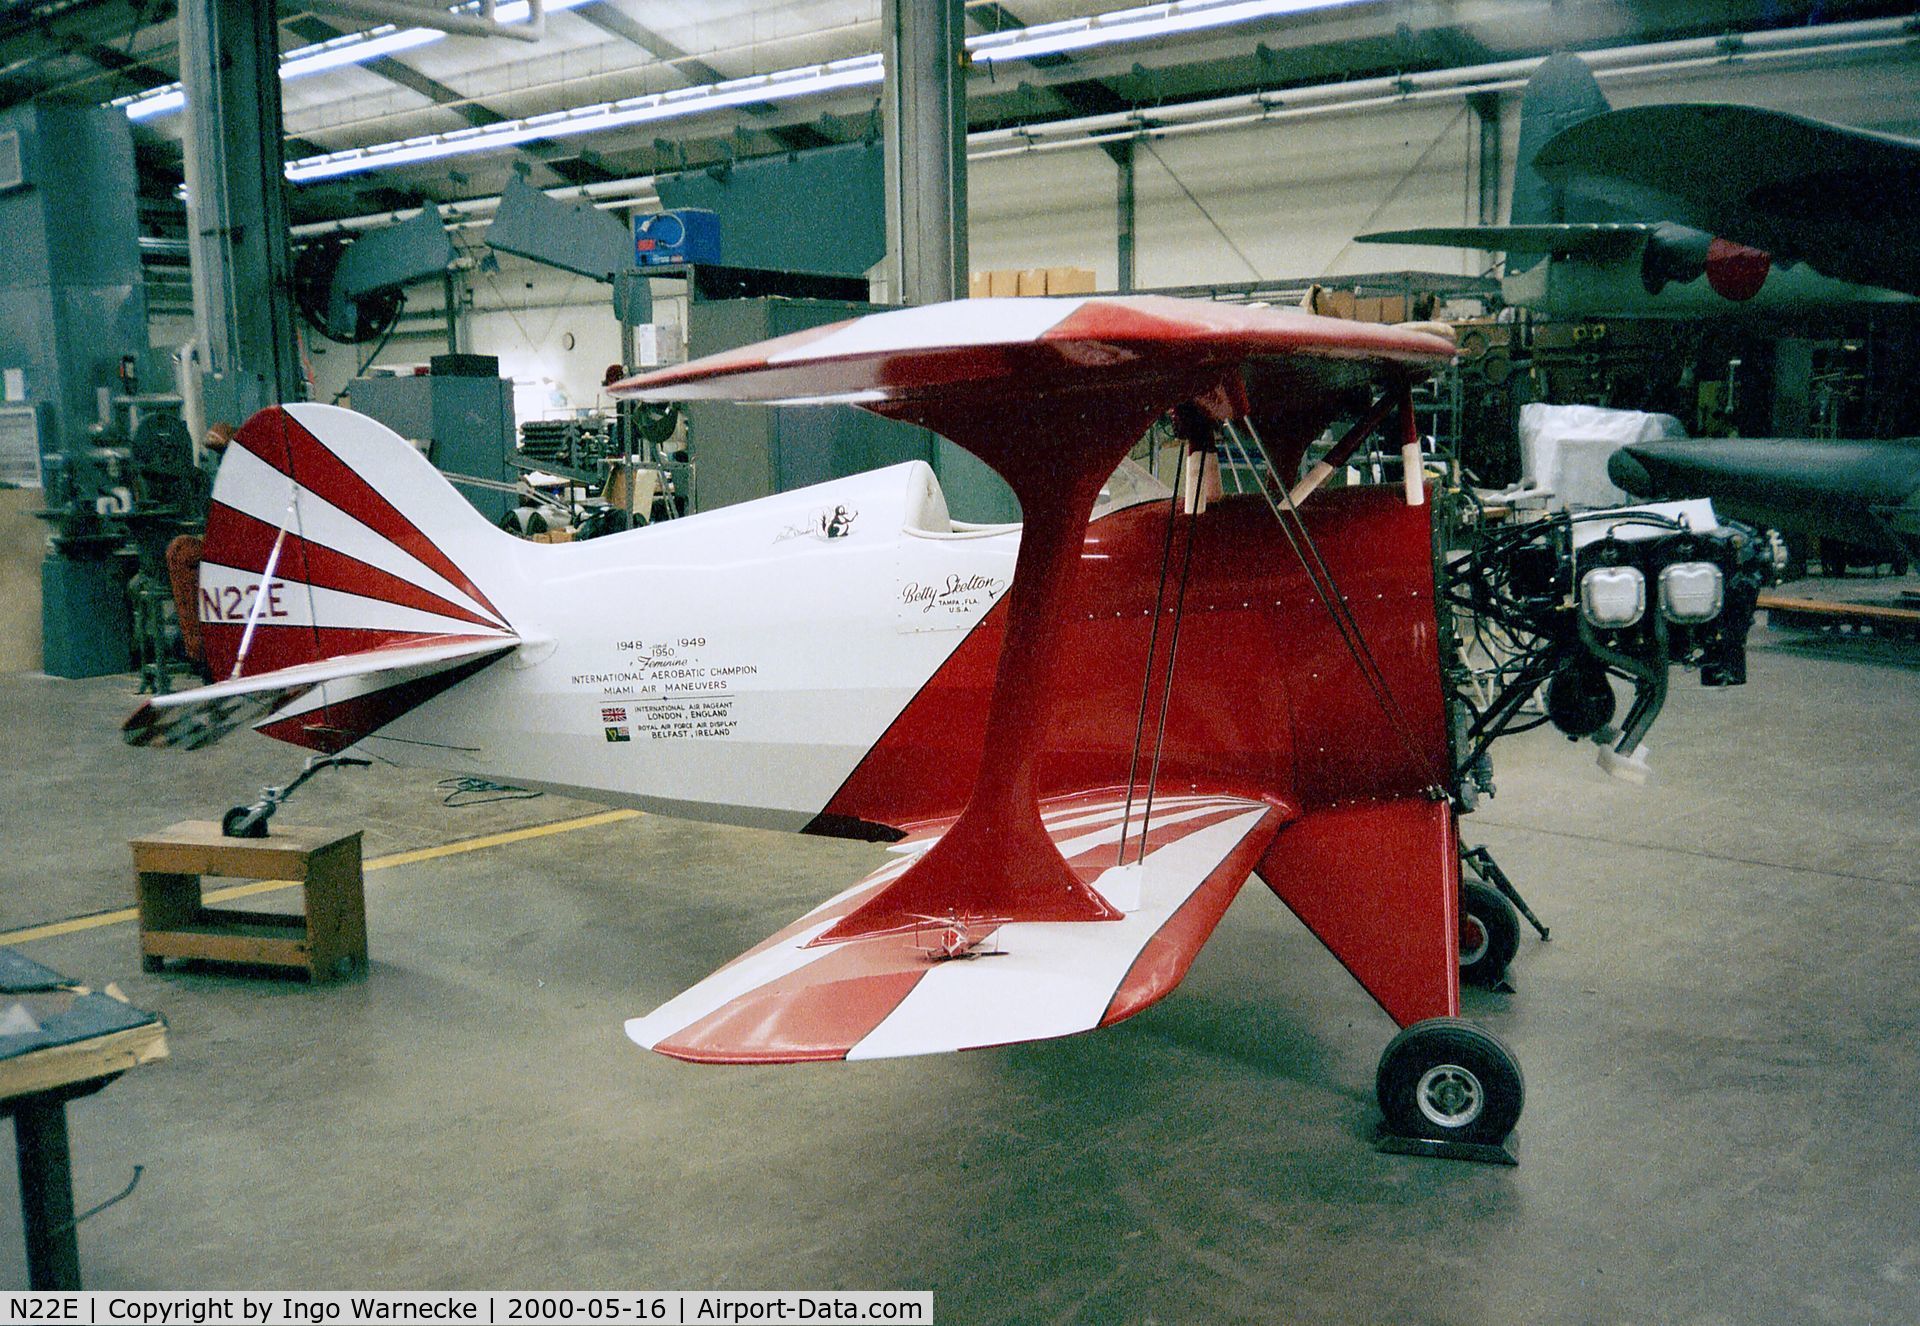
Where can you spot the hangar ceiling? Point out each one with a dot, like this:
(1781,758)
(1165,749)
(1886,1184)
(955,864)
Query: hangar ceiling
(606,68)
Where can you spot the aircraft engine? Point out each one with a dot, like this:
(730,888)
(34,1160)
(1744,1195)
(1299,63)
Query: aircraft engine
(1573,603)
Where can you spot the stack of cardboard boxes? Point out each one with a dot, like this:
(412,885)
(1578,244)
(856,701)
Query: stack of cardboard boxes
(1032,281)
(1362,308)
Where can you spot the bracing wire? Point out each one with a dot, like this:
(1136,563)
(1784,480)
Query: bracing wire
(1173,656)
(1327,589)
(1146,672)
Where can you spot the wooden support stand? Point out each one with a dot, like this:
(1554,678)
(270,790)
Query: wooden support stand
(1841,616)
(328,941)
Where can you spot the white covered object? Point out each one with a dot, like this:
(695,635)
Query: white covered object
(1564,451)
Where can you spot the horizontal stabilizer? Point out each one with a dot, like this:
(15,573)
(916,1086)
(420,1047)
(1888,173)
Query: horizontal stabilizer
(964,982)
(1599,241)
(202,716)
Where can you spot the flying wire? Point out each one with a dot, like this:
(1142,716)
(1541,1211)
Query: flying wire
(1146,672)
(1173,656)
(1332,599)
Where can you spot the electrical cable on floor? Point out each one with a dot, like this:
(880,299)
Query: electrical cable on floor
(462,792)
(91,1212)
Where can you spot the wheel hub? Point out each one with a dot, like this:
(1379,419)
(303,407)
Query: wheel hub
(1450,1096)
(1474,940)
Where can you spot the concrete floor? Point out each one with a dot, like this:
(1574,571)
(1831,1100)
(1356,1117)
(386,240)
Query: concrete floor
(1722,1047)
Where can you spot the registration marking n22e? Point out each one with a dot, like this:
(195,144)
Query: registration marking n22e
(234,603)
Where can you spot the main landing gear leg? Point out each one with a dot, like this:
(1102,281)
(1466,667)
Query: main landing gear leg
(1449,1089)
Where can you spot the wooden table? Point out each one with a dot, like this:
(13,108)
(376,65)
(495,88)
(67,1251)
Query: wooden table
(58,1042)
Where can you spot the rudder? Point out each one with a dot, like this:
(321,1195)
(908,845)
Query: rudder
(329,536)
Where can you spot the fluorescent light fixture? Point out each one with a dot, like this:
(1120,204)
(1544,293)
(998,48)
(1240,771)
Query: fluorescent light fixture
(1143,23)
(1124,25)
(160,101)
(862,70)
(348,49)
(353,48)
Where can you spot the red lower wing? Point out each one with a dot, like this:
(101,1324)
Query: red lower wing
(793,999)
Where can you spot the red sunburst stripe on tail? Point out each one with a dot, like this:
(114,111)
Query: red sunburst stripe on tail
(247,542)
(308,462)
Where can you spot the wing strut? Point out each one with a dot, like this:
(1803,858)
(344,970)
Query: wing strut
(998,860)
(1146,671)
(1187,452)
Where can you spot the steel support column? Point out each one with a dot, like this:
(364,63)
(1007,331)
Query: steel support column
(236,206)
(1486,167)
(926,149)
(1122,153)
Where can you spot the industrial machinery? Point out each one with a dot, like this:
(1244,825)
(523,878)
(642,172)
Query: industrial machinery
(353,291)
(597,473)
(461,413)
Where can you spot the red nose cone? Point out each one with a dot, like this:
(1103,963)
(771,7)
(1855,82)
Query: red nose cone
(1735,271)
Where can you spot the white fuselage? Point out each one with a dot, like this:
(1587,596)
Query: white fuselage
(732,666)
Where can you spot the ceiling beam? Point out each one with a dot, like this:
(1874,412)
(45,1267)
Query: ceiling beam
(615,21)
(1087,96)
(690,69)
(572,165)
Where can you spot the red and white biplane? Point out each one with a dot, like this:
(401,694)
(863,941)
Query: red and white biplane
(1082,734)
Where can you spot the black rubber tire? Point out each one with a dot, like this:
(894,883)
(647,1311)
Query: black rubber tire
(1474,1089)
(1489,933)
(231,821)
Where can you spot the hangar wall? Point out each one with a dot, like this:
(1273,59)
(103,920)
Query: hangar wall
(1289,195)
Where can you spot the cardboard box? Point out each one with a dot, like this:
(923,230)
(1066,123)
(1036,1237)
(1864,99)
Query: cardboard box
(1337,303)
(1032,281)
(1069,281)
(1003,283)
(979,285)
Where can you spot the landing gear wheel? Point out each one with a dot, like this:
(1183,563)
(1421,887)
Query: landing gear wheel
(1446,1080)
(1489,934)
(244,822)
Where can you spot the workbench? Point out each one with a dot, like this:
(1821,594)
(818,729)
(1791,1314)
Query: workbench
(58,1042)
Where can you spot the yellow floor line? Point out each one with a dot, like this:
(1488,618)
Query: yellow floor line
(259,886)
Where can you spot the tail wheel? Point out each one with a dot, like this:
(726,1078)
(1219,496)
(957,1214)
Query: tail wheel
(1447,1080)
(1489,933)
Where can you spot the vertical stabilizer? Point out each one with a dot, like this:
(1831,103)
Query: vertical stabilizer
(1561,93)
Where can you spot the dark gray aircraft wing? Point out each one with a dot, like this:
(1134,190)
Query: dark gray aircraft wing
(1863,492)
(1843,200)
